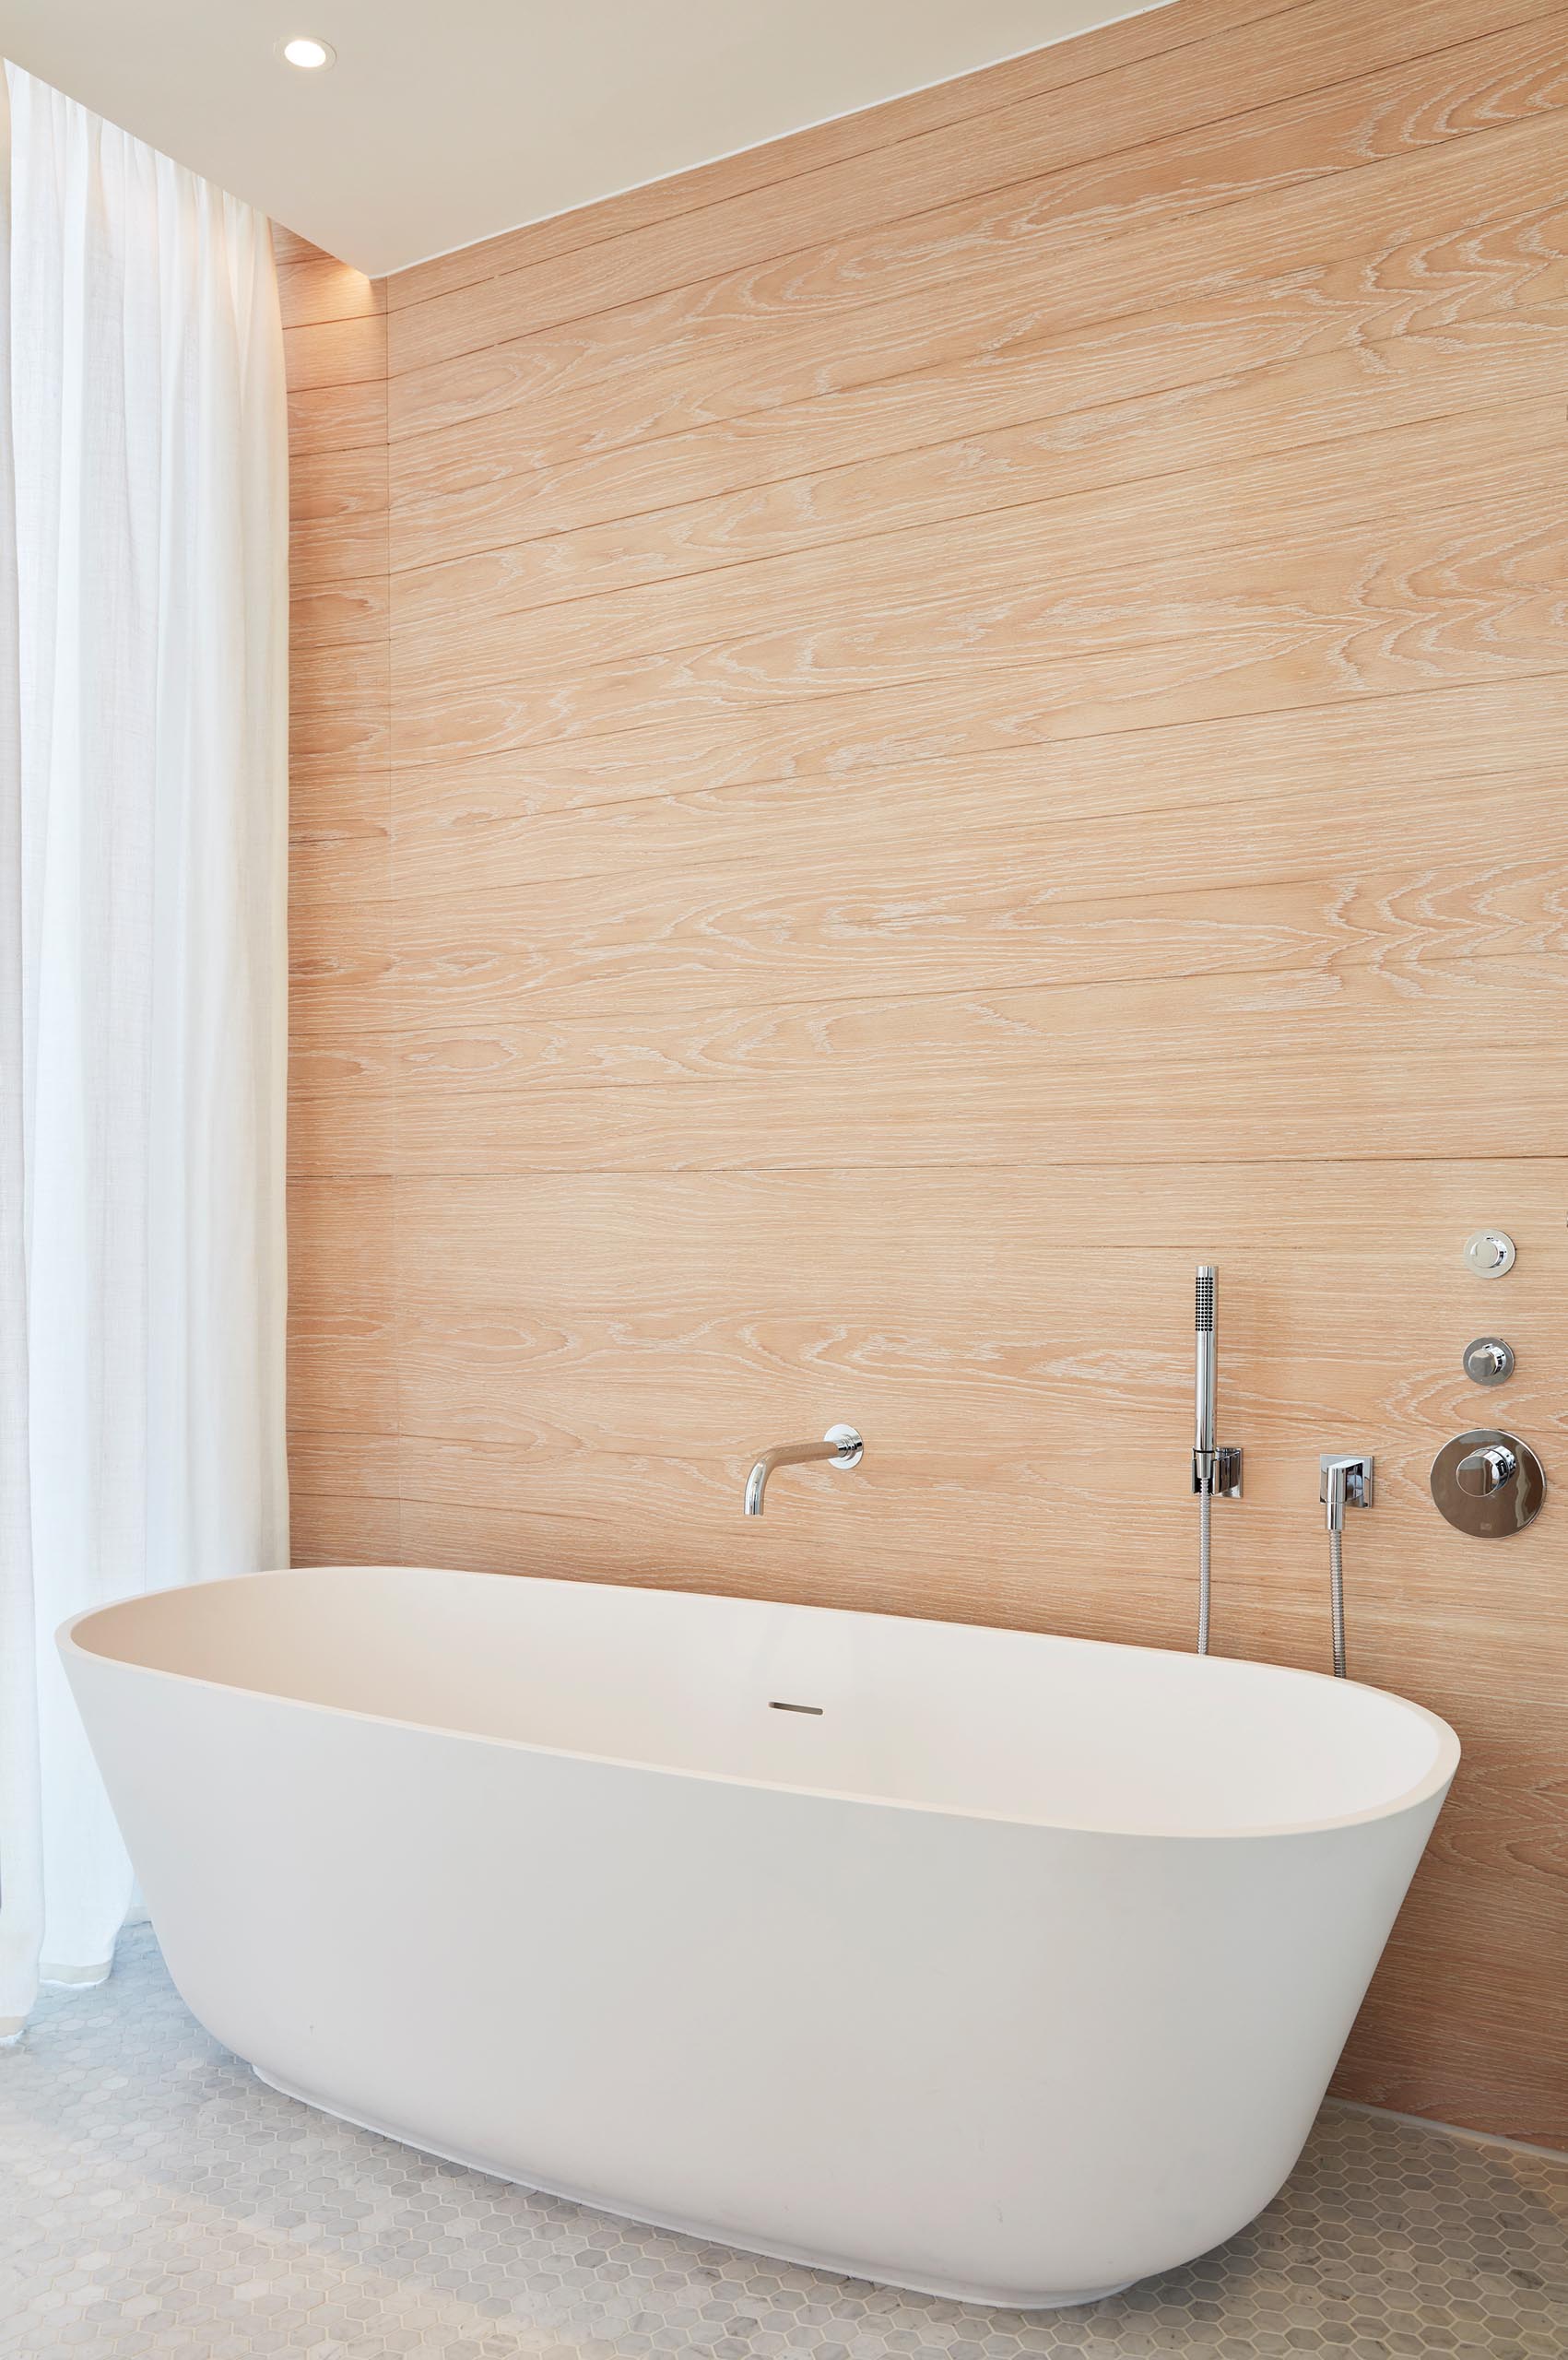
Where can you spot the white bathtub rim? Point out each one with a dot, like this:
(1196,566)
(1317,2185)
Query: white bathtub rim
(798,2257)
(1434,1781)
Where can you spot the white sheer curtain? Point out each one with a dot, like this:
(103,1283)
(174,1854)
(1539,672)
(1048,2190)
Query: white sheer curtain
(143,694)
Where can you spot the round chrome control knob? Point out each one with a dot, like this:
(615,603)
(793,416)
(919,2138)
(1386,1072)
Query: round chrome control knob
(1488,1253)
(1489,1361)
(1484,1472)
(1487,1482)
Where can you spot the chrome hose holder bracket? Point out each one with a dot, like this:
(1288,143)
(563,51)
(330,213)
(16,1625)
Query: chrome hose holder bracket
(1218,1472)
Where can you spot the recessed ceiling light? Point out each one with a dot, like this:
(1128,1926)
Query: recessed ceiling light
(306,52)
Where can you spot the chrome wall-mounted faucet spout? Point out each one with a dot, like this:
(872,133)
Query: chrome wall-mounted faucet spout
(1216,1470)
(841,1444)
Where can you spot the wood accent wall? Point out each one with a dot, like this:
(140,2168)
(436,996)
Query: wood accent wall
(896,740)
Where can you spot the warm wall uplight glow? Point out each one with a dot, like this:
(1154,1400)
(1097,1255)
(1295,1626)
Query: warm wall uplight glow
(308,54)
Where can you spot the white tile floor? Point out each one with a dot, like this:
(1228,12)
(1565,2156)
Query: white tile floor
(158,2199)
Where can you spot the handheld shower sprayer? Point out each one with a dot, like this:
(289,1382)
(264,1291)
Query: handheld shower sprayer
(1216,1470)
(1203,1322)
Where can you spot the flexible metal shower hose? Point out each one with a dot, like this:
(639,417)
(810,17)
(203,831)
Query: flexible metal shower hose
(1336,1597)
(1205,1508)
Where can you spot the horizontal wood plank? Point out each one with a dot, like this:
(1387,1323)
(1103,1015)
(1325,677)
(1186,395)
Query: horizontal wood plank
(1210,520)
(529,540)
(1253,611)
(352,1531)
(991,283)
(1401,1103)
(648,803)
(337,515)
(336,353)
(340,610)
(336,417)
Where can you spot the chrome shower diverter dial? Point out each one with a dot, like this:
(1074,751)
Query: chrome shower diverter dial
(1482,1472)
(1488,1484)
(1489,1361)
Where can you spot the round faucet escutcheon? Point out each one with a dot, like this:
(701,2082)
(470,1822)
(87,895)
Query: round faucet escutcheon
(1488,1484)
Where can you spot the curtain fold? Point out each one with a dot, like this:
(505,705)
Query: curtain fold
(143,717)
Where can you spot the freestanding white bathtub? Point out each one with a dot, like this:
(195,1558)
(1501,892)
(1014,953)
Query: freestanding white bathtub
(1000,1966)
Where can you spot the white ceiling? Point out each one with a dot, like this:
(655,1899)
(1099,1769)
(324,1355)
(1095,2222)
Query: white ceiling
(440,125)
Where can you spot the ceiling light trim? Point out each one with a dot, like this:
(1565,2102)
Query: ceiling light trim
(307,52)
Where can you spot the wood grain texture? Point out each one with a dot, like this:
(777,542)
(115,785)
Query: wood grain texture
(337,514)
(342,1365)
(340,611)
(1254,584)
(509,541)
(1144,647)
(336,353)
(509,824)
(993,280)
(336,417)
(896,740)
